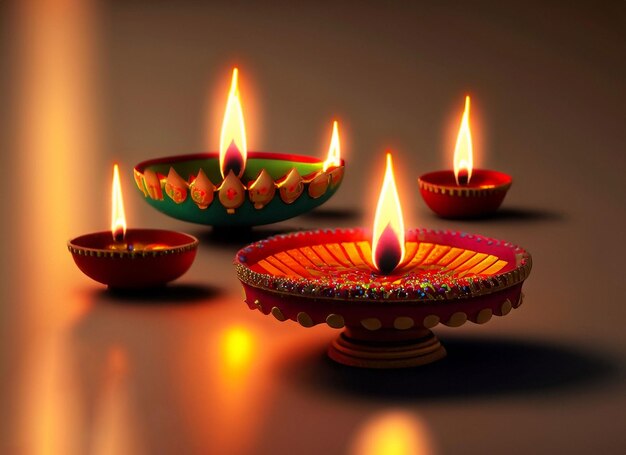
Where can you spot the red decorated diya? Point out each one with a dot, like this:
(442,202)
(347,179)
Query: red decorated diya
(386,288)
(146,258)
(464,192)
(132,258)
(482,196)
(327,276)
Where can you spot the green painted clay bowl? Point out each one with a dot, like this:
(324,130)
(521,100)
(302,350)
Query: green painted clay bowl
(296,183)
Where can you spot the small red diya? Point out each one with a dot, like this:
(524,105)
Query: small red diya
(132,258)
(482,196)
(464,192)
(327,276)
(387,288)
(236,187)
(146,257)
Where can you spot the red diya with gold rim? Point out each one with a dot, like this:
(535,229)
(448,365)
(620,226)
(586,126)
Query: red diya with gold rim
(464,192)
(146,257)
(132,258)
(483,195)
(387,288)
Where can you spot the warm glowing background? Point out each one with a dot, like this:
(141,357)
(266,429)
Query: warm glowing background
(85,84)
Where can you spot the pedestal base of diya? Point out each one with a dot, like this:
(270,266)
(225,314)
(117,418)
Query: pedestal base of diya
(481,196)
(386,348)
(145,258)
(327,277)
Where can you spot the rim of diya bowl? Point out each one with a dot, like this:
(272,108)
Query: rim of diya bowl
(444,182)
(482,196)
(95,243)
(247,214)
(517,269)
(125,269)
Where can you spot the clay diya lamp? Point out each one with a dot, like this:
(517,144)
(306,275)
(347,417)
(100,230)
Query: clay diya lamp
(464,192)
(237,187)
(386,289)
(132,258)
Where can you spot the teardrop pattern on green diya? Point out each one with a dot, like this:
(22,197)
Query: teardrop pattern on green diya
(273,187)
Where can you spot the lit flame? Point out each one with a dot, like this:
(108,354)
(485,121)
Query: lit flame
(334,150)
(463,155)
(118,218)
(233,147)
(388,236)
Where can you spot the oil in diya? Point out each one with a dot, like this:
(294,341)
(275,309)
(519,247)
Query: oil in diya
(132,258)
(386,288)
(464,192)
(238,187)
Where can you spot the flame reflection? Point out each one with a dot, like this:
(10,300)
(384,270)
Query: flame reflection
(392,433)
(238,384)
(237,350)
(113,429)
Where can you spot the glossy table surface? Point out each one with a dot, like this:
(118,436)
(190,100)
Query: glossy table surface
(191,369)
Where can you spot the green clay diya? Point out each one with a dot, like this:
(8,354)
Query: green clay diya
(234,187)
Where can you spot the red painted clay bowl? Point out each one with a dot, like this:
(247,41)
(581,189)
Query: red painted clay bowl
(325,276)
(482,196)
(134,269)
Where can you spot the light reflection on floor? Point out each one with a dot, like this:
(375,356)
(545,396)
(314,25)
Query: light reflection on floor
(53,51)
(392,432)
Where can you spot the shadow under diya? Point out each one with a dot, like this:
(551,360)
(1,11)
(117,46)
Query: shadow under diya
(273,187)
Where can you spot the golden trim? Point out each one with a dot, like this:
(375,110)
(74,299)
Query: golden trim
(431,321)
(116,254)
(506,307)
(403,323)
(462,191)
(335,321)
(484,316)
(278,314)
(480,285)
(304,319)
(371,323)
(457,319)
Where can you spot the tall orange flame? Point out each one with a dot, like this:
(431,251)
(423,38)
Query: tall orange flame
(233,147)
(463,154)
(334,150)
(388,234)
(118,218)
